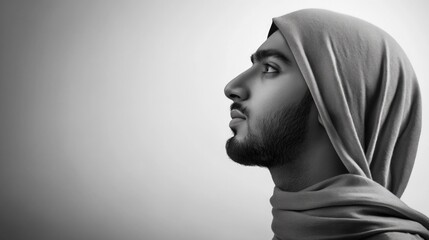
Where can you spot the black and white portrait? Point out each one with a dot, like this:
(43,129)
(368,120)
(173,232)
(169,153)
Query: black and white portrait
(215,120)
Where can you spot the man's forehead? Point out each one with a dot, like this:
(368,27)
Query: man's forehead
(277,42)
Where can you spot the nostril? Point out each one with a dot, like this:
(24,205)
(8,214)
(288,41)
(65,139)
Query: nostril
(231,93)
(233,96)
(236,89)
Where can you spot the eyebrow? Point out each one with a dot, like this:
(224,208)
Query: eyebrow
(261,55)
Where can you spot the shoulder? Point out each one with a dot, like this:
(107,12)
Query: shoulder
(395,236)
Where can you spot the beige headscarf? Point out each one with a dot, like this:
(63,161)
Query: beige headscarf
(368,98)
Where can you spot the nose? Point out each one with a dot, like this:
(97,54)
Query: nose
(237,89)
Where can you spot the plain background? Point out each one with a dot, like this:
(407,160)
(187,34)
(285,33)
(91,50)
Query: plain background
(113,119)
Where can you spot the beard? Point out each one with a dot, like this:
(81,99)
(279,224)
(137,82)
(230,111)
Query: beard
(281,139)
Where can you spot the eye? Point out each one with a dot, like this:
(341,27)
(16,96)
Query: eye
(269,69)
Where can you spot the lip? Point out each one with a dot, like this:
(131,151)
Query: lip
(237,117)
(237,114)
(235,121)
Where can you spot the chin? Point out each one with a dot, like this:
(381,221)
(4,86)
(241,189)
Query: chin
(238,138)
(240,133)
(245,151)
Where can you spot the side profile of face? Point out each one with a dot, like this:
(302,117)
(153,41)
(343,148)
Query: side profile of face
(271,105)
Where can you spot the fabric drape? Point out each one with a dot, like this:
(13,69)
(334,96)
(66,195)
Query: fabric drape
(368,99)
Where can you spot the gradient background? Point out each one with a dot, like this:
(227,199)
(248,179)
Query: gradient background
(113,119)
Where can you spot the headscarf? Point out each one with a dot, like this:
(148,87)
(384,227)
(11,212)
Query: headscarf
(368,99)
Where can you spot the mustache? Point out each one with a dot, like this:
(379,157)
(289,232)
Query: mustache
(239,107)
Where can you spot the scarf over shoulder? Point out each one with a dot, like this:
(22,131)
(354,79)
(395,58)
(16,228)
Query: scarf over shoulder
(368,98)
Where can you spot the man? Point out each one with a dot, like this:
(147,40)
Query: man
(331,106)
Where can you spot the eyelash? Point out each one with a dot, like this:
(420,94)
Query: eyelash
(267,67)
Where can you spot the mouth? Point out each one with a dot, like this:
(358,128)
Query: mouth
(237,117)
(235,113)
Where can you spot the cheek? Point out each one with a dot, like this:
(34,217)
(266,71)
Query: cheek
(276,97)
(271,99)
(263,108)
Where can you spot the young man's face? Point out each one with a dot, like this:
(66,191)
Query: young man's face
(270,109)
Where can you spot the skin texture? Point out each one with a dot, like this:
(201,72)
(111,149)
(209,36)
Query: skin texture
(269,87)
(281,136)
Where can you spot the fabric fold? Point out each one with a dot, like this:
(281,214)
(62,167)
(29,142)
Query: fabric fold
(344,207)
(368,99)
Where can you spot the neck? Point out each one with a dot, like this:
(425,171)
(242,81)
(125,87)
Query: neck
(318,161)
